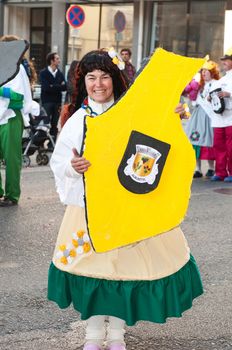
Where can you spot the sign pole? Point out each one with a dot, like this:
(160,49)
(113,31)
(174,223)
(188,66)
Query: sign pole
(119,25)
(99,28)
(72,49)
(117,42)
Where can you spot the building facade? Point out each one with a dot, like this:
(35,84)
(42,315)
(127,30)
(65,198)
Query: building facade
(187,27)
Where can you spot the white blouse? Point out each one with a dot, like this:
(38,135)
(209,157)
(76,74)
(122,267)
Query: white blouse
(69,183)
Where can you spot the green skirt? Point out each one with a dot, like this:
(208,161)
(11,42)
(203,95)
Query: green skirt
(131,301)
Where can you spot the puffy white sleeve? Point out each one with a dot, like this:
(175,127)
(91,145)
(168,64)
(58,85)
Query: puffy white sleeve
(69,183)
(21,85)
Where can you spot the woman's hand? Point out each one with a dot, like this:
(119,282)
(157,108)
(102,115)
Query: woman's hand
(182,111)
(79,164)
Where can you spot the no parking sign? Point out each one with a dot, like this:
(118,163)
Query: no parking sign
(119,21)
(75,16)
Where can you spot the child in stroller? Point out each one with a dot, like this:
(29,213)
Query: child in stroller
(35,137)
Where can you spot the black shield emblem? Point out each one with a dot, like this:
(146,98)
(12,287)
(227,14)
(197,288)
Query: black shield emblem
(142,164)
(218,103)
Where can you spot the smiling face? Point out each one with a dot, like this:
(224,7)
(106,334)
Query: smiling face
(99,86)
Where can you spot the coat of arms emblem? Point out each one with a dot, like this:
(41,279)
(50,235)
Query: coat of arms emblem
(142,166)
(142,163)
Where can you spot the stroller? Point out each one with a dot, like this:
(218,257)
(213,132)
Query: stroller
(34,139)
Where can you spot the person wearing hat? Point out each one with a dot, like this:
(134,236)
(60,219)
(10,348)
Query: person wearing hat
(198,128)
(222,123)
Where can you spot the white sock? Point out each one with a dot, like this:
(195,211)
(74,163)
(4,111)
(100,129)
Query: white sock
(115,331)
(198,167)
(95,330)
(211,164)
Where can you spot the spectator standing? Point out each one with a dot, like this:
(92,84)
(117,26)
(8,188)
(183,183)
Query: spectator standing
(15,104)
(222,124)
(52,84)
(129,68)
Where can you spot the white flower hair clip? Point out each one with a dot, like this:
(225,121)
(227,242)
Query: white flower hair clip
(116,59)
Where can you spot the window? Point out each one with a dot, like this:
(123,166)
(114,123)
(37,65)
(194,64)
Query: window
(98,30)
(169,26)
(206,28)
(191,28)
(40,36)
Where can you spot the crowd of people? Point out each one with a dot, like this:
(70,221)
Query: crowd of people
(209,128)
(166,273)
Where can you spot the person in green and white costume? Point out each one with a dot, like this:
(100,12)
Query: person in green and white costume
(15,105)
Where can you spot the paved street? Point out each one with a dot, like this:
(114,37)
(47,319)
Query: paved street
(28,233)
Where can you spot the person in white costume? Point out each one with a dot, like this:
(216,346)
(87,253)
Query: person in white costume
(15,105)
(222,124)
(150,280)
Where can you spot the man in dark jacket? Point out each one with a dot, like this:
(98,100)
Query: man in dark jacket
(52,84)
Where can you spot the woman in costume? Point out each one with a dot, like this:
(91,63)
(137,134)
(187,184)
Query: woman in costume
(15,105)
(150,280)
(198,128)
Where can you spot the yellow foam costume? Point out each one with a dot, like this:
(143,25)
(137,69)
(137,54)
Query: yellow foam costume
(121,216)
(138,186)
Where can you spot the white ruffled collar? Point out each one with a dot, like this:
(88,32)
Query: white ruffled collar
(100,108)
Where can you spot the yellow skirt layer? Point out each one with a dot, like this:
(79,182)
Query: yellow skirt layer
(151,259)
